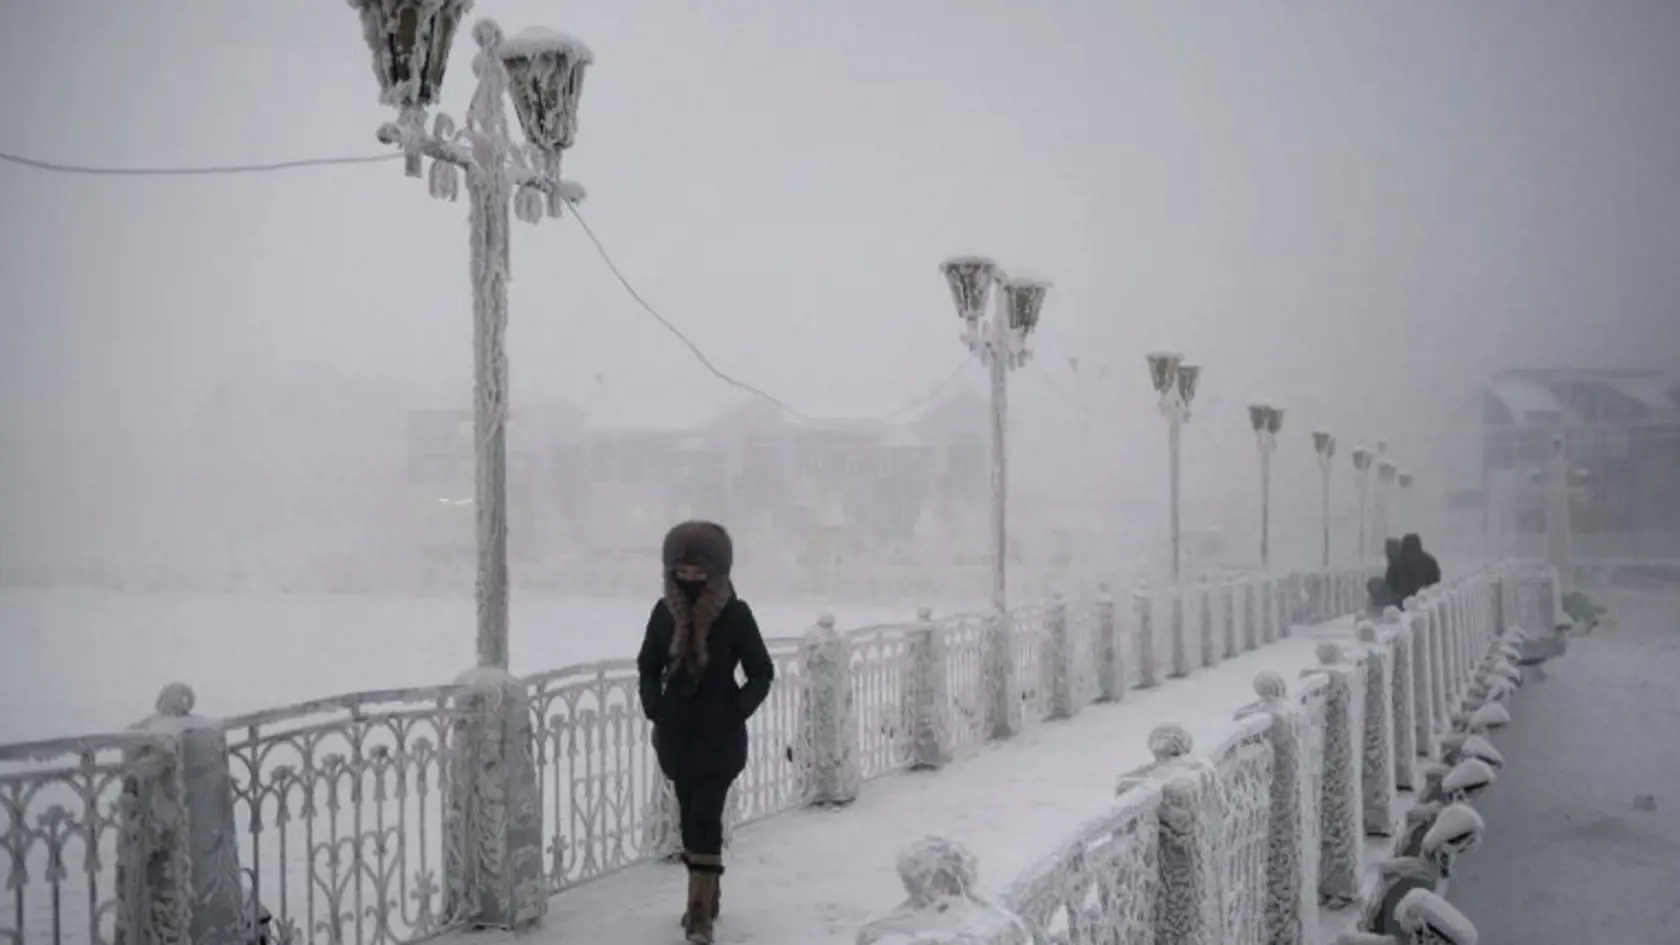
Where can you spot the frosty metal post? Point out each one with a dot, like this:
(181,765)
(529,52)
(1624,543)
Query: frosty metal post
(1175,383)
(1267,422)
(1000,342)
(1362,486)
(1383,504)
(543,73)
(1560,551)
(1324,445)
(1407,515)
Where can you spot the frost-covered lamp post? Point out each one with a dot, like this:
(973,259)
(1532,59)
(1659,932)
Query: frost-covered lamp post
(1386,471)
(1324,446)
(999,339)
(1362,487)
(1267,422)
(1406,514)
(1175,382)
(543,72)
(1560,547)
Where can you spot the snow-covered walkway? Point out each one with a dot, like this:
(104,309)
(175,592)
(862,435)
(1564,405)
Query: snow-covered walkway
(812,877)
(1583,827)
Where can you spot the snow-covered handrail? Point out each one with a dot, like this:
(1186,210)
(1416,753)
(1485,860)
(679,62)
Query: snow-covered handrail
(1261,839)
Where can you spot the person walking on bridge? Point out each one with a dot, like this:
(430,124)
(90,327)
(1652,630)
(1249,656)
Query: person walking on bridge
(699,633)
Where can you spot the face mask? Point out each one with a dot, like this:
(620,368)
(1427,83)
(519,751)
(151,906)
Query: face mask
(691,589)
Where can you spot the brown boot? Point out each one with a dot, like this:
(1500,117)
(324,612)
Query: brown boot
(717,896)
(703,893)
(704,897)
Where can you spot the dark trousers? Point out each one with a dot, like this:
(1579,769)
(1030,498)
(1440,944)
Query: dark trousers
(701,801)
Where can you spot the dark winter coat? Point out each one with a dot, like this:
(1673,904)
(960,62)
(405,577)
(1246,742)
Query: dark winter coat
(700,724)
(1413,569)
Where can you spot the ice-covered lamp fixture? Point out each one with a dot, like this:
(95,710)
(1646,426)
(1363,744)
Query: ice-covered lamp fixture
(1026,300)
(1163,371)
(1386,470)
(1187,376)
(545,79)
(1324,444)
(970,279)
(1405,479)
(1361,458)
(410,42)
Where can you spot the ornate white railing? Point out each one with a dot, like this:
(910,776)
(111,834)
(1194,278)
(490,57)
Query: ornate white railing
(341,807)
(387,817)
(1246,844)
(71,811)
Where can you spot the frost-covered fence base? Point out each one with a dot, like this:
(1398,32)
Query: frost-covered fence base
(1266,839)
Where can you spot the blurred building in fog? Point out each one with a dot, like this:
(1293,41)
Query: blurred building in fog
(1622,432)
(811,494)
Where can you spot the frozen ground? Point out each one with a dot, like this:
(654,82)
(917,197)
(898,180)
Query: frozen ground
(1583,839)
(79,661)
(812,877)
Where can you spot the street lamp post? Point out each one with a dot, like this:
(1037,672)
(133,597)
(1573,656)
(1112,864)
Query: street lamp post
(1000,342)
(1324,446)
(1560,546)
(1175,382)
(1386,471)
(542,72)
(1362,486)
(1084,378)
(1267,422)
(1403,505)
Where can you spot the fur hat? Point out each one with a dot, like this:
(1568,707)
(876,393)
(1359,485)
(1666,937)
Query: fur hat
(700,544)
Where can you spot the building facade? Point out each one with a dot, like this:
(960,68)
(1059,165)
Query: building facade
(1621,430)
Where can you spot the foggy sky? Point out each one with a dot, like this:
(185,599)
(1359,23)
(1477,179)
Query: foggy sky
(1358,209)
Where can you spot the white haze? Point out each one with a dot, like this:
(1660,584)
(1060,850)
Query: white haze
(1357,211)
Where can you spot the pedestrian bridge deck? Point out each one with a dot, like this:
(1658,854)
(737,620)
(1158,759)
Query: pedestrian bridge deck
(814,876)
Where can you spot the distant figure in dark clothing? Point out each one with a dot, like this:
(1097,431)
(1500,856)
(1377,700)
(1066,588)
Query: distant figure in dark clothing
(1413,569)
(1428,569)
(698,635)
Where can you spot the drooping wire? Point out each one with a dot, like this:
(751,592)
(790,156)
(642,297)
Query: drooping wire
(600,249)
(718,372)
(199,171)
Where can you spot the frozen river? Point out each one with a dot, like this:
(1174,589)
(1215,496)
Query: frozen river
(81,661)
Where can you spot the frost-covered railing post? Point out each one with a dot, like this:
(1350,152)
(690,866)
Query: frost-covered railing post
(1228,614)
(1180,641)
(190,869)
(1110,651)
(1191,908)
(493,830)
(1004,711)
(1210,653)
(1439,680)
(1145,641)
(1063,662)
(830,719)
(1291,902)
(1289,602)
(944,904)
(1501,599)
(1341,816)
(1251,617)
(929,693)
(1413,720)
(1377,761)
